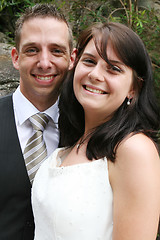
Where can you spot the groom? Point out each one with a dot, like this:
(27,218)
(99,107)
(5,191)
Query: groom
(43,55)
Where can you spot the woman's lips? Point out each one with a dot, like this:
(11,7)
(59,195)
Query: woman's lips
(94,90)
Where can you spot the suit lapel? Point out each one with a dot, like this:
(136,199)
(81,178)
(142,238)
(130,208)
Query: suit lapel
(10,146)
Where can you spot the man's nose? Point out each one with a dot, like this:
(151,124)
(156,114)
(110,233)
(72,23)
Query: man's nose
(44,60)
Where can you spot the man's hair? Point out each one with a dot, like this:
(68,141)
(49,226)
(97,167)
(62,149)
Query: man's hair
(42,11)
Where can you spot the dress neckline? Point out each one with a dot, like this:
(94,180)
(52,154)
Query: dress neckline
(62,153)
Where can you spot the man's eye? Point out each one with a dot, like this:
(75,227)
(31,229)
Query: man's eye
(31,50)
(57,51)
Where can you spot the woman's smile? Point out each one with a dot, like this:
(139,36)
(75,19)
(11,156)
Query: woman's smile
(93,89)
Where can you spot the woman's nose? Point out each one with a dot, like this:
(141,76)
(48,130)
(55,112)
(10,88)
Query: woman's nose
(96,74)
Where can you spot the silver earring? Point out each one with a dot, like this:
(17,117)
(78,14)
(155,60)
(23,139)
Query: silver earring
(129,101)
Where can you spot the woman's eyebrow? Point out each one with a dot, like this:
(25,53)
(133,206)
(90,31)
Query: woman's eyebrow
(88,54)
(116,62)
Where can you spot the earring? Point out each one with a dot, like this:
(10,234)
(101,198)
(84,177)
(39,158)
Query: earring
(129,101)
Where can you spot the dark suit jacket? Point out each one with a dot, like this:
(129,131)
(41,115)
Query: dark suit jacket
(16,217)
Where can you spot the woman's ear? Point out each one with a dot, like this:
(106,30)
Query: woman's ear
(72,58)
(131,94)
(15,57)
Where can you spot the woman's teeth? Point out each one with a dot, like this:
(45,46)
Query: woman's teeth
(94,90)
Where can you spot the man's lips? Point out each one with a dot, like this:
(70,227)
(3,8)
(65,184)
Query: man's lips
(44,77)
(94,90)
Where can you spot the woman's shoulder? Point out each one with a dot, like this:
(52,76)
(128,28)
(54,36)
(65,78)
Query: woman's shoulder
(137,164)
(137,156)
(137,146)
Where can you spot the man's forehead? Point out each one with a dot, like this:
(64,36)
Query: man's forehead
(52,28)
(54,20)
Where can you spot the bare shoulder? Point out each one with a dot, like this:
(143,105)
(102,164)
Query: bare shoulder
(139,148)
(137,159)
(135,181)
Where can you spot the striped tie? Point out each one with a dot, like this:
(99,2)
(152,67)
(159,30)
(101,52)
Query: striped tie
(35,151)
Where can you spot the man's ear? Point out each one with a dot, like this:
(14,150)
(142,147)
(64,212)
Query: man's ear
(72,58)
(15,57)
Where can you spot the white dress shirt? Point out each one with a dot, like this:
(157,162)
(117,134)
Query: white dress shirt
(23,109)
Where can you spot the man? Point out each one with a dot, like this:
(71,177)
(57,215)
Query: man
(43,55)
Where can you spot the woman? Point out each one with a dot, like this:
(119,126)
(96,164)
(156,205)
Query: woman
(105,183)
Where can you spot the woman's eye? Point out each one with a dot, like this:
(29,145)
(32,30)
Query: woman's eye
(88,61)
(114,68)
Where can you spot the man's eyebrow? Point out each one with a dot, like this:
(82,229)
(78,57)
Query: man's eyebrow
(61,46)
(28,44)
(31,44)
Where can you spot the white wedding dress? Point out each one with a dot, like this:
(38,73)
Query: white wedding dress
(73,202)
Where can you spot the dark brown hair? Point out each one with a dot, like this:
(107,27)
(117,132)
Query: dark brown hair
(123,40)
(142,115)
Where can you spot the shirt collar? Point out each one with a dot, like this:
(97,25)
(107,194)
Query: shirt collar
(25,109)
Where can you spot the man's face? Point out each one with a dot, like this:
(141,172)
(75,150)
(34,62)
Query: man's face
(43,59)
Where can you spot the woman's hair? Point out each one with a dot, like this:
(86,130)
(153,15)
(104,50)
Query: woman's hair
(141,115)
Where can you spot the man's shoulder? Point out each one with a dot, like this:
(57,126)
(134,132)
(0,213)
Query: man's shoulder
(6,103)
(5,99)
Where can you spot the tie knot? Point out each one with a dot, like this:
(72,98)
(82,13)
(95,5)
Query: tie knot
(39,121)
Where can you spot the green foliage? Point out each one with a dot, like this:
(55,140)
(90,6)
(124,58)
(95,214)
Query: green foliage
(9,11)
(83,13)
(18,4)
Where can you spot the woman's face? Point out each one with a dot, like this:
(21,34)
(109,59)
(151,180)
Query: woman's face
(99,87)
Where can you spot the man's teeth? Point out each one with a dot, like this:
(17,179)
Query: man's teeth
(94,90)
(45,78)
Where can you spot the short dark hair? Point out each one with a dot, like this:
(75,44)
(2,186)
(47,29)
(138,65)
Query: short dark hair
(41,10)
(142,115)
